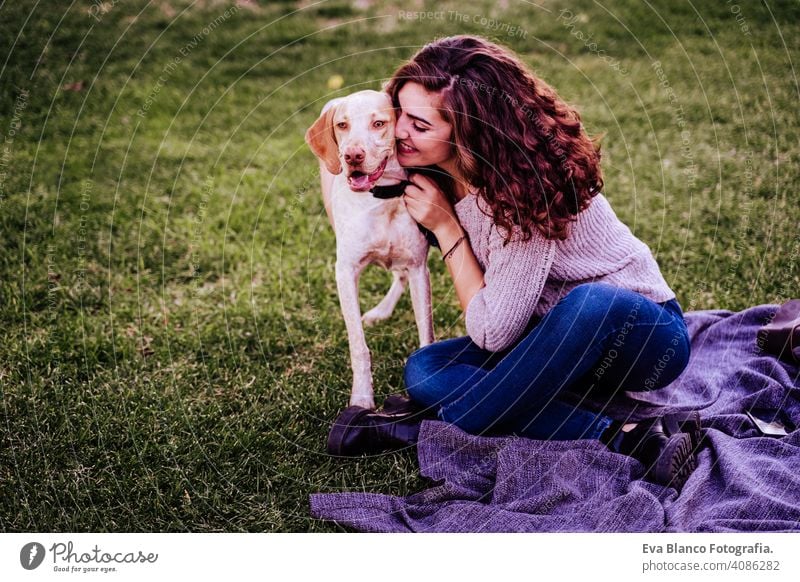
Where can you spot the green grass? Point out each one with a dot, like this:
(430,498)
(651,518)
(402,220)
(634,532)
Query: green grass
(173,352)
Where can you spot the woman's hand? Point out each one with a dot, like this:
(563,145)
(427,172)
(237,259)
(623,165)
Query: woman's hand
(428,205)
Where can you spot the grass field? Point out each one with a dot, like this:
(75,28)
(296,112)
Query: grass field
(172,350)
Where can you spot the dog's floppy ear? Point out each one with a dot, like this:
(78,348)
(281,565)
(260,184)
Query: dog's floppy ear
(322,141)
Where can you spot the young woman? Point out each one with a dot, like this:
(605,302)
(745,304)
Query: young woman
(560,298)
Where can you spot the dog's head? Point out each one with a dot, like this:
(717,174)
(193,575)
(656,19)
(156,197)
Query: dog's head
(355,134)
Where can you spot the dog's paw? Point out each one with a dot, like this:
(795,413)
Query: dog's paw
(363,401)
(373,316)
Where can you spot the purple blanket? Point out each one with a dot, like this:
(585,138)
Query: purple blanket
(744,482)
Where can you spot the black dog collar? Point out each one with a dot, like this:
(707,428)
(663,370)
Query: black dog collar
(393,191)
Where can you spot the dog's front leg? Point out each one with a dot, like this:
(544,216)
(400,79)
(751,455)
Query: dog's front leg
(347,283)
(419,283)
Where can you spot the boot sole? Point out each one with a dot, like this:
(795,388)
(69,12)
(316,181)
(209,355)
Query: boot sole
(343,422)
(687,422)
(676,462)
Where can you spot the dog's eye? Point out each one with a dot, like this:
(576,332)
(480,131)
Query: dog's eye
(379,123)
(342,125)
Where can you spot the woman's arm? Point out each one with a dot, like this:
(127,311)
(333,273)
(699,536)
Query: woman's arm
(463,266)
(516,272)
(498,303)
(429,206)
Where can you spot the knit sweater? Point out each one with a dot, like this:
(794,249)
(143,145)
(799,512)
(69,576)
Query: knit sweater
(527,278)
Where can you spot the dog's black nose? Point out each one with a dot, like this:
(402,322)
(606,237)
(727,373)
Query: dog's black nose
(354,158)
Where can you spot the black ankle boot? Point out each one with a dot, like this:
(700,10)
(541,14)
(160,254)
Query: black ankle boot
(687,421)
(360,430)
(399,404)
(668,458)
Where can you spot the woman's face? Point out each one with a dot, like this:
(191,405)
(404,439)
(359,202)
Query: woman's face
(424,138)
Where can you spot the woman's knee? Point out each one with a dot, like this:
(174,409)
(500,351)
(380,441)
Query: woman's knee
(427,376)
(420,367)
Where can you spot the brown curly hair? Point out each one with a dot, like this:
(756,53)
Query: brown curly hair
(522,147)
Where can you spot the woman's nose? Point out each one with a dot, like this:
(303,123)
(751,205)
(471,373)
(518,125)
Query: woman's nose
(400,131)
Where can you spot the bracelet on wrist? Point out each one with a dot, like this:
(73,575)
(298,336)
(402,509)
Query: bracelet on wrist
(454,247)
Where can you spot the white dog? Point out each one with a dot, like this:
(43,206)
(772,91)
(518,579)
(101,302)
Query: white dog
(354,138)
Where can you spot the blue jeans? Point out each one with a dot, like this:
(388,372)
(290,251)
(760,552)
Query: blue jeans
(598,338)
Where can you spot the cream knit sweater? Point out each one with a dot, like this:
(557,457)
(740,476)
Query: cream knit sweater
(528,278)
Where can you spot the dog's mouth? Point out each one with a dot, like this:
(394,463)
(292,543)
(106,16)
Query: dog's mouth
(361,182)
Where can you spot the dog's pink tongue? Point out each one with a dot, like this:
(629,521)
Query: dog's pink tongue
(363,182)
(360,182)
